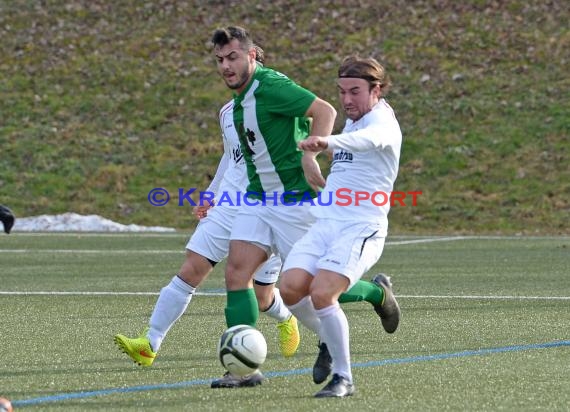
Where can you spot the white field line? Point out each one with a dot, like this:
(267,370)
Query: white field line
(393,243)
(389,243)
(96,234)
(427,240)
(206,293)
(189,233)
(94,251)
(138,251)
(482,297)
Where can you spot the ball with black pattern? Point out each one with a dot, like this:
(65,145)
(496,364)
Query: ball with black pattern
(242,349)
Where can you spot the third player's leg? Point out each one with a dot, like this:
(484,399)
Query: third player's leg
(195,268)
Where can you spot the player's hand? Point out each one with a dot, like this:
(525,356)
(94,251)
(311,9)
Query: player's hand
(313,144)
(312,171)
(201,211)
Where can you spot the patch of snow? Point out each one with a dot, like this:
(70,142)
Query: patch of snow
(73,222)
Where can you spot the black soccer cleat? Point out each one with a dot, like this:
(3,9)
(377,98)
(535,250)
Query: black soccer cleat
(338,387)
(231,381)
(323,365)
(389,310)
(7,218)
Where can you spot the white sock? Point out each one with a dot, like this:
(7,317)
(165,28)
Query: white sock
(171,304)
(334,331)
(278,310)
(305,312)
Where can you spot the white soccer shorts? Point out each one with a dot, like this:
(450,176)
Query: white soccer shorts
(211,239)
(272,227)
(270,270)
(347,248)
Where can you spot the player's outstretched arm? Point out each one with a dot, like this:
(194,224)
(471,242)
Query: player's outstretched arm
(314,144)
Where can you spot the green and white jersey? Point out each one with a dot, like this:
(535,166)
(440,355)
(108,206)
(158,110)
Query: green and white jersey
(269,116)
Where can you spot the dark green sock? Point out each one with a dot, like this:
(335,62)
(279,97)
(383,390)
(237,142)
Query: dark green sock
(363,290)
(241,308)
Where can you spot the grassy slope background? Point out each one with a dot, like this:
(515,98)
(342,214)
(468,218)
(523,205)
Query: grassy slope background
(102,101)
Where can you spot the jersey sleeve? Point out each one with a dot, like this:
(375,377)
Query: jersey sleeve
(370,138)
(288,98)
(218,177)
(378,133)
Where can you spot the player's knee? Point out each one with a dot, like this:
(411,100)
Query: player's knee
(238,277)
(195,269)
(321,297)
(290,288)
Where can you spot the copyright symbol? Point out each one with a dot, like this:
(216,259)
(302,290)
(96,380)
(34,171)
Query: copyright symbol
(158,196)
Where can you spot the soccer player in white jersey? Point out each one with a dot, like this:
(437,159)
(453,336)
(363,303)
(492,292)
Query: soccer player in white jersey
(209,245)
(348,236)
(271,115)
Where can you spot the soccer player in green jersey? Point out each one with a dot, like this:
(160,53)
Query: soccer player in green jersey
(271,115)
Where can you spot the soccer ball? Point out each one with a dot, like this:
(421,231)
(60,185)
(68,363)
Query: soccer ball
(242,349)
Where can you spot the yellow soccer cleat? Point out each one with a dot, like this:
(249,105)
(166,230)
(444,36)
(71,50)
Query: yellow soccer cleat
(289,337)
(138,349)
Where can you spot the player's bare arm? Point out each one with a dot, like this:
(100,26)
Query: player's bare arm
(323,115)
(312,170)
(314,144)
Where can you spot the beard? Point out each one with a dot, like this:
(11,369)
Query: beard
(242,78)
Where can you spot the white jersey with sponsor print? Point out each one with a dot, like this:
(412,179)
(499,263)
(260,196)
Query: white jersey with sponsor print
(366,156)
(230,179)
